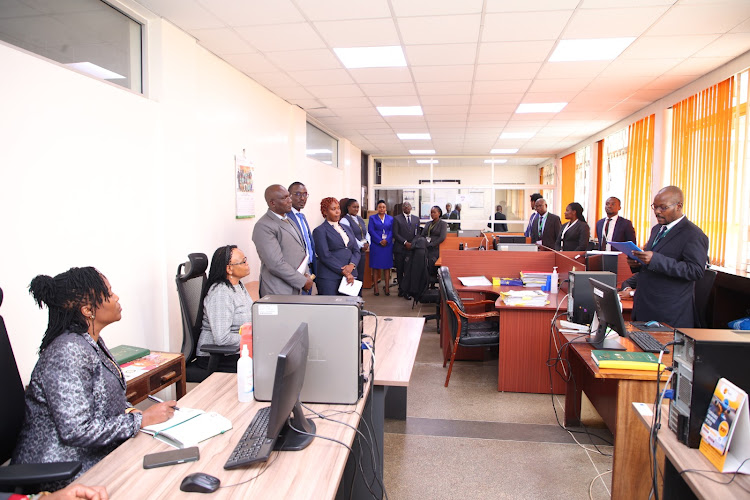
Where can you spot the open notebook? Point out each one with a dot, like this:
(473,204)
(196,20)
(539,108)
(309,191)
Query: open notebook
(189,427)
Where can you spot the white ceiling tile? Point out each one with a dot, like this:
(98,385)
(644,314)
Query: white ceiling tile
(346,102)
(743,27)
(499,119)
(729,45)
(458,99)
(669,81)
(566,69)
(388,89)
(253,12)
(439,30)
(381,75)
(324,77)
(290,93)
(325,91)
(186,14)
(698,66)
(250,63)
(278,37)
(504,86)
(315,10)
(395,100)
(369,111)
(563,84)
(515,52)
(516,26)
(700,19)
(601,96)
(274,79)
(423,74)
(649,95)
(501,109)
(443,54)
(660,47)
(443,88)
(303,60)
(444,110)
(410,8)
(529,5)
(359,33)
(438,120)
(612,23)
(310,105)
(631,84)
(496,99)
(517,71)
(625,68)
(555,96)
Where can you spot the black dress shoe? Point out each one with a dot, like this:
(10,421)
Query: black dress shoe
(400,293)
(407,297)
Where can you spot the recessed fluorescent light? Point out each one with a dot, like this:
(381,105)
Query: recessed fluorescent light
(400,110)
(413,136)
(503,151)
(592,49)
(318,151)
(540,107)
(516,135)
(94,70)
(427,161)
(422,151)
(327,162)
(371,57)
(496,161)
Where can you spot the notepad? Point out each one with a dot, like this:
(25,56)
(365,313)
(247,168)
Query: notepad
(474,281)
(189,427)
(351,290)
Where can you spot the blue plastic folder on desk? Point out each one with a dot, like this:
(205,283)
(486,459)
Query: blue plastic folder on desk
(627,247)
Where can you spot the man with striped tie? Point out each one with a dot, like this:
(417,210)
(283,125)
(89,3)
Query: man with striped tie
(299,195)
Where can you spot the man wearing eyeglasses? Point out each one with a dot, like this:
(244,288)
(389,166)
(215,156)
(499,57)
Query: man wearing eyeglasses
(299,195)
(674,259)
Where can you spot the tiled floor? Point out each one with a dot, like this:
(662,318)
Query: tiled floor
(470,441)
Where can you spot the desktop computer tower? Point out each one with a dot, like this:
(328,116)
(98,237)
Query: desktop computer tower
(334,365)
(581,307)
(704,357)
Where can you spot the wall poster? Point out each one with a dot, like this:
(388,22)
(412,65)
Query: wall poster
(244,188)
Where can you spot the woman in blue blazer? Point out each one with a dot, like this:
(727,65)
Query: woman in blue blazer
(336,248)
(380,227)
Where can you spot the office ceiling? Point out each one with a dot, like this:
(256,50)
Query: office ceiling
(470,63)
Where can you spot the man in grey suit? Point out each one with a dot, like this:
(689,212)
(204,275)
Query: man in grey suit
(283,258)
(405,228)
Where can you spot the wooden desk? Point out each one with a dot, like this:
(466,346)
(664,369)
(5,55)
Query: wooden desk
(681,458)
(169,369)
(612,392)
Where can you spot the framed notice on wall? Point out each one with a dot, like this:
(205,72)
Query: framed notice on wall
(244,187)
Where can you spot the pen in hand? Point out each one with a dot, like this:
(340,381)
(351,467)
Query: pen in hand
(157,400)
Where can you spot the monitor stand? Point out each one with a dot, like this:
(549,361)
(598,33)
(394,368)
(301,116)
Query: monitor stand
(607,345)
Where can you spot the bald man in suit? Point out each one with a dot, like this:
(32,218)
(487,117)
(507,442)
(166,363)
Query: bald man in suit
(283,257)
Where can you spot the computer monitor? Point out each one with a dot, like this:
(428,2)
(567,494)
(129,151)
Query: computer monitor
(287,385)
(609,315)
(601,262)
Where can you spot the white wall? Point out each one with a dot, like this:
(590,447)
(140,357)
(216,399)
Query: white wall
(92,174)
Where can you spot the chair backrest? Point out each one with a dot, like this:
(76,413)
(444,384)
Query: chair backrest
(11,394)
(191,277)
(702,292)
(448,292)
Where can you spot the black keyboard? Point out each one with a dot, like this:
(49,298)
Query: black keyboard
(646,342)
(253,446)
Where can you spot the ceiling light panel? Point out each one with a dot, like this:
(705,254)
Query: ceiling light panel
(590,49)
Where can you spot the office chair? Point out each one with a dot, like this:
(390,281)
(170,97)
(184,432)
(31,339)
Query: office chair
(11,419)
(467,329)
(702,292)
(191,276)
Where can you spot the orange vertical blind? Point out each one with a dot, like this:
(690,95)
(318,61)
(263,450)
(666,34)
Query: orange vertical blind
(638,176)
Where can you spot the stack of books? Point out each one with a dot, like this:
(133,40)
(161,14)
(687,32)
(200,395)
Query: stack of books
(534,279)
(624,360)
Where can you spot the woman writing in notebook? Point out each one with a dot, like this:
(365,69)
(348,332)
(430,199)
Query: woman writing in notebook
(76,409)
(336,248)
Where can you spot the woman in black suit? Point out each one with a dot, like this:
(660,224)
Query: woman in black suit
(575,233)
(435,232)
(336,248)
(350,217)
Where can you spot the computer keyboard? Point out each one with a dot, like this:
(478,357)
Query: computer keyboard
(254,446)
(646,342)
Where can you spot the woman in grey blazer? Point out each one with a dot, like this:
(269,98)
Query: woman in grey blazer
(574,234)
(76,409)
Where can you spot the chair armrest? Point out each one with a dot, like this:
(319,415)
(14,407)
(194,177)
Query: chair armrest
(487,314)
(220,349)
(27,474)
(483,303)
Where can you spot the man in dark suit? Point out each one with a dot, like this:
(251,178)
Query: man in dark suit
(405,228)
(613,227)
(534,214)
(674,259)
(448,210)
(299,195)
(499,215)
(546,227)
(455,215)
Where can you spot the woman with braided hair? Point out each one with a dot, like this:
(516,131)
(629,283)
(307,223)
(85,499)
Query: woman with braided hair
(76,409)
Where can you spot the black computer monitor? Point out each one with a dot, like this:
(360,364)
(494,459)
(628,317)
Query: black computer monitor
(609,316)
(601,262)
(290,375)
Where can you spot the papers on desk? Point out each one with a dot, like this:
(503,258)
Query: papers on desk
(528,298)
(533,279)
(189,427)
(474,281)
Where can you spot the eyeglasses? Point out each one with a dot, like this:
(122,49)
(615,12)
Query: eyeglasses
(300,195)
(662,208)
(243,261)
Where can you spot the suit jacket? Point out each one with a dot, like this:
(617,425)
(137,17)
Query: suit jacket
(666,284)
(552,228)
(332,253)
(623,231)
(401,232)
(437,236)
(455,214)
(293,217)
(532,220)
(281,250)
(576,238)
(499,228)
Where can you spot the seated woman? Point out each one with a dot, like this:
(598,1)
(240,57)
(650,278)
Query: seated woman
(336,248)
(575,233)
(226,307)
(435,232)
(76,409)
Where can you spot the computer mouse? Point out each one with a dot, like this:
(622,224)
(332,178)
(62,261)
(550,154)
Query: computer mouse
(199,482)
(651,323)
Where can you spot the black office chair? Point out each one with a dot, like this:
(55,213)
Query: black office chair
(702,292)
(480,330)
(16,477)
(191,277)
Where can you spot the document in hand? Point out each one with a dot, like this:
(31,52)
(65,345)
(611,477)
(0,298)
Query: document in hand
(189,427)
(351,290)
(627,247)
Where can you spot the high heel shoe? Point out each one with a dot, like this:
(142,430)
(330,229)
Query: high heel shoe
(375,290)
(387,290)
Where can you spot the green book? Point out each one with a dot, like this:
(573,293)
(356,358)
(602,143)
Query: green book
(125,353)
(625,360)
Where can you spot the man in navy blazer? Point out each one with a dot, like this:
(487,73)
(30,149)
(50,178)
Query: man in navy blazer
(613,227)
(405,228)
(674,259)
(549,223)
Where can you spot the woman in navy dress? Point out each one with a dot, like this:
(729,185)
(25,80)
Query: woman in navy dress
(351,218)
(380,227)
(336,248)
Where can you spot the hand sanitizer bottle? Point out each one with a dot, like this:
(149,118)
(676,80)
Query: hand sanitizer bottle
(245,376)
(555,281)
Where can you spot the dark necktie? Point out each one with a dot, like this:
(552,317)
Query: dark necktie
(662,234)
(604,236)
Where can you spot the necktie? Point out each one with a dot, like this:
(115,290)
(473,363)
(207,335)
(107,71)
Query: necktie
(408,223)
(604,236)
(306,234)
(662,233)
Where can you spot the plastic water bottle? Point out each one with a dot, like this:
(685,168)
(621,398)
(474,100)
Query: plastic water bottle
(555,281)
(245,388)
